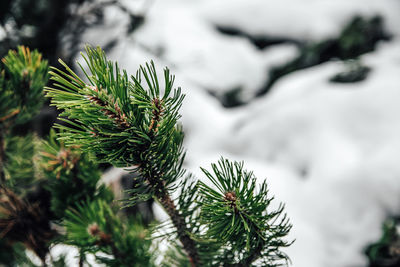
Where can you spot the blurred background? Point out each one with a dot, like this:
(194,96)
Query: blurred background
(305,92)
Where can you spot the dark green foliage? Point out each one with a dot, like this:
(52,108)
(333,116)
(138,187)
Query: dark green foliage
(386,252)
(95,227)
(22,77)
(238,216)
(23,221)
(15,255)
(60,262)
(12,254)
(361,36)
(19,169)
(71,176)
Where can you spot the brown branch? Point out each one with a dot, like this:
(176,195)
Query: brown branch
(154,178)
(151,174)
(118,116)
(6,117)
(179,222)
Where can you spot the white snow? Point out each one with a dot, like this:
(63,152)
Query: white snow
(329,151)
(303,20)
(342,143)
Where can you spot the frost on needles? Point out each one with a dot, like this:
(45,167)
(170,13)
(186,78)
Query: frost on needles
(133,122)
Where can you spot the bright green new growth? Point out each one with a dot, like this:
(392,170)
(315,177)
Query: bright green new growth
(22,82)
(134,123)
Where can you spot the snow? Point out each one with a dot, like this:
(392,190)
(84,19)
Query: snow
(342,143)
(329,151)
(303,20)
(186,42)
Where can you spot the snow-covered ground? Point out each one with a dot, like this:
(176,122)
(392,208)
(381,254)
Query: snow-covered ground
(329,151)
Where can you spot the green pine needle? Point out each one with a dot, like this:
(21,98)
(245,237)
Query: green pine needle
(237,214)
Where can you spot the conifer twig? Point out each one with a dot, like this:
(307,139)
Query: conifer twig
(11,114)
(178,221)
(117,116)
(154,178)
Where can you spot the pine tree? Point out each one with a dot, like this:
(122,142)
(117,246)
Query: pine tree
(131,122)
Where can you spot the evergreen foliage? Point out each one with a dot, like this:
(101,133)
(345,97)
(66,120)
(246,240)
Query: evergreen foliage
(238,216)
(95,227)
(19,169)
(22,82)
(133,123)
(51,192)
(45,185)
(71,177)
(23,223)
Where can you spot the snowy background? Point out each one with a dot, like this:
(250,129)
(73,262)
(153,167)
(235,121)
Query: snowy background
(330,151)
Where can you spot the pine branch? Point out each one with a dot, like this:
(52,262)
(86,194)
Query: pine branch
(177,219)
(141,120)
(130,123)
(238,216)
(22,78)
(10,115)
(110,109)
(154,178)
